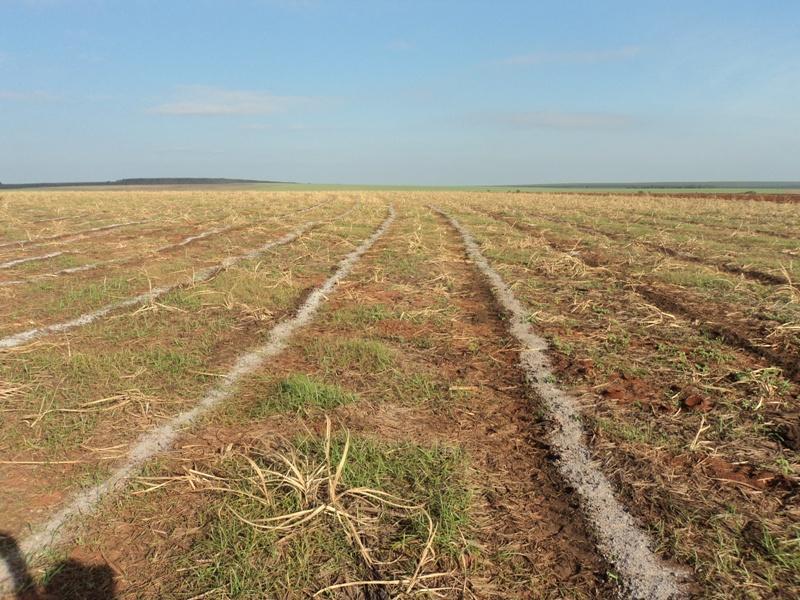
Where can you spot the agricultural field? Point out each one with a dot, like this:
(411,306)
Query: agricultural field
(233,393)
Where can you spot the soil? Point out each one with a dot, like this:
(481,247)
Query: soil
(740,333)
(520,504)
(528,531)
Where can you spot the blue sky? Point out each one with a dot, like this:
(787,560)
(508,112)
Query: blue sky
(403,92)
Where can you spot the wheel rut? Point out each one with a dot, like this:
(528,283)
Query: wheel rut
(454,383)
(161,438)
(743,337)
(620,538)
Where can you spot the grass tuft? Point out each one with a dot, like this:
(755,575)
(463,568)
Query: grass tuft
(340,355)
(322,514)
(299,392)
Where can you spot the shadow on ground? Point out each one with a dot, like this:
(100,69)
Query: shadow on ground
(69,579)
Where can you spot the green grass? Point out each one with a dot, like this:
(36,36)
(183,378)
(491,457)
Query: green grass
(402,261)
(335,356)
(93,294)
(299,392)
(634,433)
(361,315)
(184,299)
(253,287)
(233,557)
(432,476)
(418,388)
(63,261)
(169,362)
(698,279)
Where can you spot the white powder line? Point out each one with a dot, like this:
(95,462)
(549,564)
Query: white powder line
(105,263)
(162,438)
(59,236)
(24,337)
(620,539)
(217,231)
(66,271)
(21,261)
(199,236)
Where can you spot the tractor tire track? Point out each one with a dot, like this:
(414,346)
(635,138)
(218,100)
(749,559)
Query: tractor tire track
(162,438)
(122,261)
(67,271)
(73,243)
(60,236)
(620,539)
(786,357)
(717,229)
(728,267)
(21,261)
(203,275)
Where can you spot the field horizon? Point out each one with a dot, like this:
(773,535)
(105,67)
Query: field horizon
(660,187)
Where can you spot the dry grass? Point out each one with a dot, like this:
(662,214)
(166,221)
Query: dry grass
(692,427)
(666,316)
(366,515)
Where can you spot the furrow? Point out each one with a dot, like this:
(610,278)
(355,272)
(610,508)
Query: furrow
(22,261)
(60,272)
(720,229)
(785,358)
(727,267)
(619,537)
(122,261)
(26,243)
(218,230)
(161,438)
(200,236)
(24,337)
(54,219)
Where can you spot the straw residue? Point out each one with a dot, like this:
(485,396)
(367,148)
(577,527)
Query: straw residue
(619,538)
(27,259)
(161,438)
(60,236)
(24,337)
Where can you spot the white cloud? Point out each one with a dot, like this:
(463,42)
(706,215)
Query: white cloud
(563,120)
(212,101)
(577,57)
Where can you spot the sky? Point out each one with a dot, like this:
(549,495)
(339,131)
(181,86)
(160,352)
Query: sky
(434,92)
